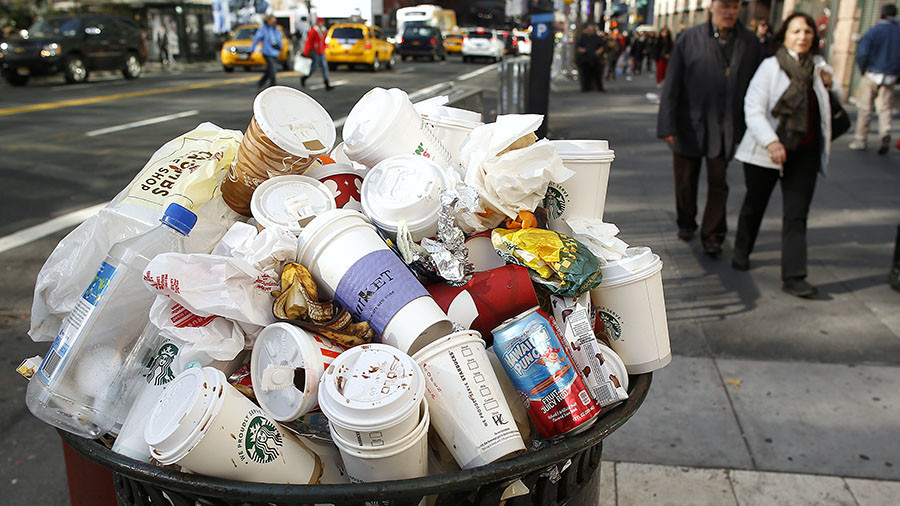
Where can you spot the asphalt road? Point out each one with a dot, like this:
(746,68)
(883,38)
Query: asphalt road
(52,167)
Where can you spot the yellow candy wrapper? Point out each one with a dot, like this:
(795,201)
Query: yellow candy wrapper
(563,265)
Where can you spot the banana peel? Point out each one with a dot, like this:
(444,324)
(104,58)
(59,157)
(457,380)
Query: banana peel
(298,303)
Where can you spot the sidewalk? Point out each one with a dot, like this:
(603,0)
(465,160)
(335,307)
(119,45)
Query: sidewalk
(769,399)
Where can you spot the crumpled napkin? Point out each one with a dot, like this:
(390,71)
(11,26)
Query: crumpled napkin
(599,237)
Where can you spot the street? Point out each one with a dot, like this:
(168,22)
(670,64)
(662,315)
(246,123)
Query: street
(769,398)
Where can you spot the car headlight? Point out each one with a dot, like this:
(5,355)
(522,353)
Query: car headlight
(232,49)
(48,50)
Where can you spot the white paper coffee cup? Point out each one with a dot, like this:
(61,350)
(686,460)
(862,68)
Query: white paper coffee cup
(384,123)
(294,121)
(285,368)
(290,202)
(372,395)
(405,188)
(631,305)
(584,194)
(466,402)
(205,425)
(349,260)
(406,458)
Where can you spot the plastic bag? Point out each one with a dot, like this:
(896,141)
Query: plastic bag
(201,157)
(302,64)
(218,337)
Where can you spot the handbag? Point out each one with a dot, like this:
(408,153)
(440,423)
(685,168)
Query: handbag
(840,121)
(302,64)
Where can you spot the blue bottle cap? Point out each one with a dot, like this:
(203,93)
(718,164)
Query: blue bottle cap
(180,218)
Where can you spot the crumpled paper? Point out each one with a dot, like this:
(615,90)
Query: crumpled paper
(599,237)
(515,180)
(446,255)
(266,251)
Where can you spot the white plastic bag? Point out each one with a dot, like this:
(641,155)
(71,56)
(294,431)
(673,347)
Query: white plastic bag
(302,64)
(218,337)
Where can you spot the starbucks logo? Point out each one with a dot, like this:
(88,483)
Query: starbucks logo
(555,200)
(611,323)
(262,440)
(160,366)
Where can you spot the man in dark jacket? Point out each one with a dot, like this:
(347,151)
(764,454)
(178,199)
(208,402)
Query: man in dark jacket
(589,54)
(701,114)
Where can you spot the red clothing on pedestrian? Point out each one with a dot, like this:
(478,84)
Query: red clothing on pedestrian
(315,42)
(661,66)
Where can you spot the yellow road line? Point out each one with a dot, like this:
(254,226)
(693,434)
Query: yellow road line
(118,96)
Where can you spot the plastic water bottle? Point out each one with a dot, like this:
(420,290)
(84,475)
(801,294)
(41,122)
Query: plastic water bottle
(84,385)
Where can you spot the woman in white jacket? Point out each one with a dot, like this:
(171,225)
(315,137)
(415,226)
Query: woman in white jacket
(788,140)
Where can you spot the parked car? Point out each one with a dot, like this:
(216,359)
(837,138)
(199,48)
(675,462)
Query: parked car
(422,40)
(524,43)
(453,42)
(236,51)
(74,46)
(356,43)
(482,43)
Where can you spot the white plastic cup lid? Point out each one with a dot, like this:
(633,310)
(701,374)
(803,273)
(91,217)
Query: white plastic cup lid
(290,201)
(314,235)
(403,187)
(294,121)
(453,116)
(637,262)
(332,169)
(615,363)
(371,387)
(281,353)
(584,150)
(177,420)
(371,117)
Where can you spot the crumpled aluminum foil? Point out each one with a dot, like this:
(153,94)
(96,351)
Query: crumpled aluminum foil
(446,255)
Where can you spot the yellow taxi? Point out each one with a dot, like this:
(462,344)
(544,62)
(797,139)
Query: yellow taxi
(356,43)
(453,42)
(236,51)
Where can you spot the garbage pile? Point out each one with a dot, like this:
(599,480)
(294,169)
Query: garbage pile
(431,294)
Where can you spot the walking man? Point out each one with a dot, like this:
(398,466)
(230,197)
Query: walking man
(701,114)
(590,53)
(270,37)
(878,57)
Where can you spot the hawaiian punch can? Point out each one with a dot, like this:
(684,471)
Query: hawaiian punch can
(532,353)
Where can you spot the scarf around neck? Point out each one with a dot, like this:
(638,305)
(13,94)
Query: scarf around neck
(792,109)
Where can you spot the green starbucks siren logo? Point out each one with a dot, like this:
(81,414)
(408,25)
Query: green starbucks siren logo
(555,200)
(262,440)
(159,367)
(612,323)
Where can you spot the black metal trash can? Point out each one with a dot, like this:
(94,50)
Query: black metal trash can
(565,473)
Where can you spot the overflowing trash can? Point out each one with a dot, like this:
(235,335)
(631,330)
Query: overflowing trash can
(431,312)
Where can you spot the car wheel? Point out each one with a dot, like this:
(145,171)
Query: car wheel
(376,64)
(75,70)
(132,68)
(465,59)
(432,57)
(332,66)
(391,61)
(405,58)
(248,68)
(16,80)
(443,56)
(226,68)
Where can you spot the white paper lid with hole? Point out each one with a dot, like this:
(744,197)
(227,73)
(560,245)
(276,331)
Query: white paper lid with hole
(584,150)
(375,112)
(294,121)
(403,187)
(280,350)
(290,202)
(637,263)
(371,386)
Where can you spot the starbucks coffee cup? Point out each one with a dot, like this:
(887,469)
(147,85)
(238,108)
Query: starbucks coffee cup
(285,368)
(287,132)
(405,188)
(467,405)
(372,395)
(205,425)
(349,260)
(584,194)
(632,309)
(343,180)
(403,459)
(384,123)
(290,202)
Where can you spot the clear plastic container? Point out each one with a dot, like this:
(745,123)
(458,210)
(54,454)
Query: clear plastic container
(85,383)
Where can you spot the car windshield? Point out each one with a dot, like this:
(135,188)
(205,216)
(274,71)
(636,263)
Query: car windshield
(417,31)
(347,33)
(522,37)
(67,27)
(246,33)
(480,35)
(453,37)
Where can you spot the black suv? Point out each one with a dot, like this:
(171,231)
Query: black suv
(74,46)
(422,40)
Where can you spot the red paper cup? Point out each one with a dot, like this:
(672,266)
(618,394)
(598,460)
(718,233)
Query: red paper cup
(344,182)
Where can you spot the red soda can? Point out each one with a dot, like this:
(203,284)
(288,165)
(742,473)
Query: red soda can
(532,353)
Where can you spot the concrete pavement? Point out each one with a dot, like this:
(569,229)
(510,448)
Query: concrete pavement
(770,399)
